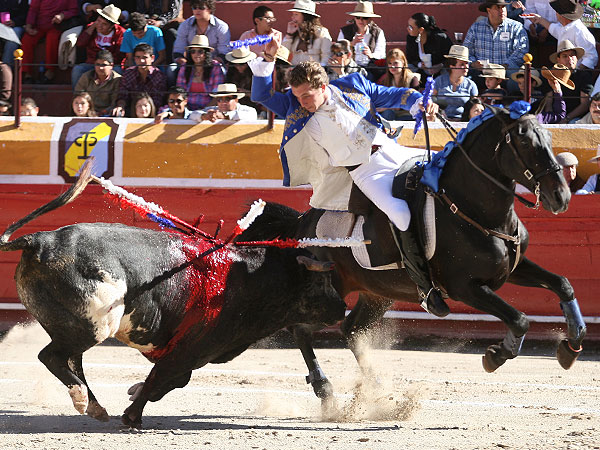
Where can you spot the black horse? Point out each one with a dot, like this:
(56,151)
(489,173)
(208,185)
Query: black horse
(480,243)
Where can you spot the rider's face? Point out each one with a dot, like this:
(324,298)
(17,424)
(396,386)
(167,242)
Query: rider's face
(311,99)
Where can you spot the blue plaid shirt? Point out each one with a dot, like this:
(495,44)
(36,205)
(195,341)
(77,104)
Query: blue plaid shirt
(506,45)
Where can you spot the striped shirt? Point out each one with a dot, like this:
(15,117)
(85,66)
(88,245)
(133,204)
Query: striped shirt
(506,45)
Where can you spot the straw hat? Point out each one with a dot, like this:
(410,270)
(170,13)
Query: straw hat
(227,89)
(363,9)
(283,55)
(569,9)
(566,159)
(563,46)
(559,73)
(494,71)
(458,52)
(306,7)
(594,159)
(200,41)
(535,76)
(489,3)
(240,55)
(110,13)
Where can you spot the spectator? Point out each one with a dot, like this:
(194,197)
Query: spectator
(143,106)
(29,107)
(341,62)
(367,39)
(104,33)
(397,75)
(17,10)
(472,108)
(568,161)
(593,115)
(570,26)
(239,73)
(44,20)
(143,77)
(201,74)
(546,110)
(5,108)
(540,41)
(426,45)
(228,106)
(176,107)
(6,80)
(282,68)
(591,186)
(89,10)
(102,84)
(496,39)
(263,18)
(140,32)
(578,101)
(203,22)
(494,97)
(306,38)
(83,105)
(453,88)
(494,75)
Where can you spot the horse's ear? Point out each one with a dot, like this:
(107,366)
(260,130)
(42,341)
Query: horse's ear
(495,109)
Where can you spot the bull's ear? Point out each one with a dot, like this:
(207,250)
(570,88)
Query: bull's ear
(314,265)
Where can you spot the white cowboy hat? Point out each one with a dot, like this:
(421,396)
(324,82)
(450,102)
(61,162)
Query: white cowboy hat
(200,41)
(363,9)
(563,46)
(305,7)
(110,13)
(458,52)
(535,76)
(227,89)
(240,55)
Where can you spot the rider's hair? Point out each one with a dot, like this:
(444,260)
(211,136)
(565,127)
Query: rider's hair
(310,72)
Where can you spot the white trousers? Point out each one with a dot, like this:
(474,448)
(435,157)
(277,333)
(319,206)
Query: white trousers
(375,179)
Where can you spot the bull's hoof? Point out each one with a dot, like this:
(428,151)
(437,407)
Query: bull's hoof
(80,398)
(493,358)
(566,355)
(96,411)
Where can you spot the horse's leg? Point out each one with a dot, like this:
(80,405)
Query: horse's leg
(368,310)
(316,377)
(481,297)
(527,273)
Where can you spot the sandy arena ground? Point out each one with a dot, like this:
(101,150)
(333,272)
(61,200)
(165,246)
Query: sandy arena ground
(428,400)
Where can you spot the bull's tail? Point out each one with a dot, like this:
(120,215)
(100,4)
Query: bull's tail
(64,198)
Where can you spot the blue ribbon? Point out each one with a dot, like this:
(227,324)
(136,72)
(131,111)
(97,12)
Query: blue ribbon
(519,108)
(164,223)
(257,40)
(426,96)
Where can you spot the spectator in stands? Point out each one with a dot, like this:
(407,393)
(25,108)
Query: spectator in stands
(578,101)
(426,45)
(176,107)
(140,32)
(228,106)
(398,75)
(6,80)
(496,39)
(568,161)
(453,87)
(102,83)
(143,106)
(83,105)
(591,186)
(541,43)
(570,26)
(239,73)
(593,115)
(366,38)
(341,62)
(5,108)
(472,108)
(104,33)
(306,38)
(29,107)
(201,74)
(143,77)
(494,75)
(166,15)
(263,18)
(89,10)
(43,21)
(17,11)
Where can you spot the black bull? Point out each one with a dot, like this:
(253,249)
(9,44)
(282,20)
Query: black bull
(87,282)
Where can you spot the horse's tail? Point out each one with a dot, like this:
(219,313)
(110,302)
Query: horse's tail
(276,221)
(66,197)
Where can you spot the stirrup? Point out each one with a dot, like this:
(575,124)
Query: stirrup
(439,310)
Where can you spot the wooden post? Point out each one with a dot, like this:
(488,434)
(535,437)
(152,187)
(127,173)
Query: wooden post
(527,58)
(17,86)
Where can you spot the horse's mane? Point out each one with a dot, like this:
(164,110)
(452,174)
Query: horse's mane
(276,221)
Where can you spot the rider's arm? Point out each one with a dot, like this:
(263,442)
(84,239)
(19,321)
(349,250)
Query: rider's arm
(262,87)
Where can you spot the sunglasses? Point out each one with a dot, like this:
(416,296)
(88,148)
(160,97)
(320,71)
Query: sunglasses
(226,99)
(197,50)
(339,53)
(179,101)
(268,19)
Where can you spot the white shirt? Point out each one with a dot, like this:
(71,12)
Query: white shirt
(580,36)
(242,112)
(379,52)
(542,8)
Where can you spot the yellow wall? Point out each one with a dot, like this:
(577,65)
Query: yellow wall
(25,150)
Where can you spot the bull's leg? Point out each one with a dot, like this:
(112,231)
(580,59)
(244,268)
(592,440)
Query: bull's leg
(94,409)
(527,273)
(367,311)
(485,300)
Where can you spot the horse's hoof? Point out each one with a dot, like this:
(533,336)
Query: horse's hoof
(492,359)
(96,411)
(566,355)
(131,420)
(323,388)
(329,408)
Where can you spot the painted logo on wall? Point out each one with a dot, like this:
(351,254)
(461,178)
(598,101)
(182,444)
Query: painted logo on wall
(82,138)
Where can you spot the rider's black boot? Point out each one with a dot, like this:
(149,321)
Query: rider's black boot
(416,266)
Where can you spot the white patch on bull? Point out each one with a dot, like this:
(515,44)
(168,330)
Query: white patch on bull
(125,328)
(79,395)
(106,307)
